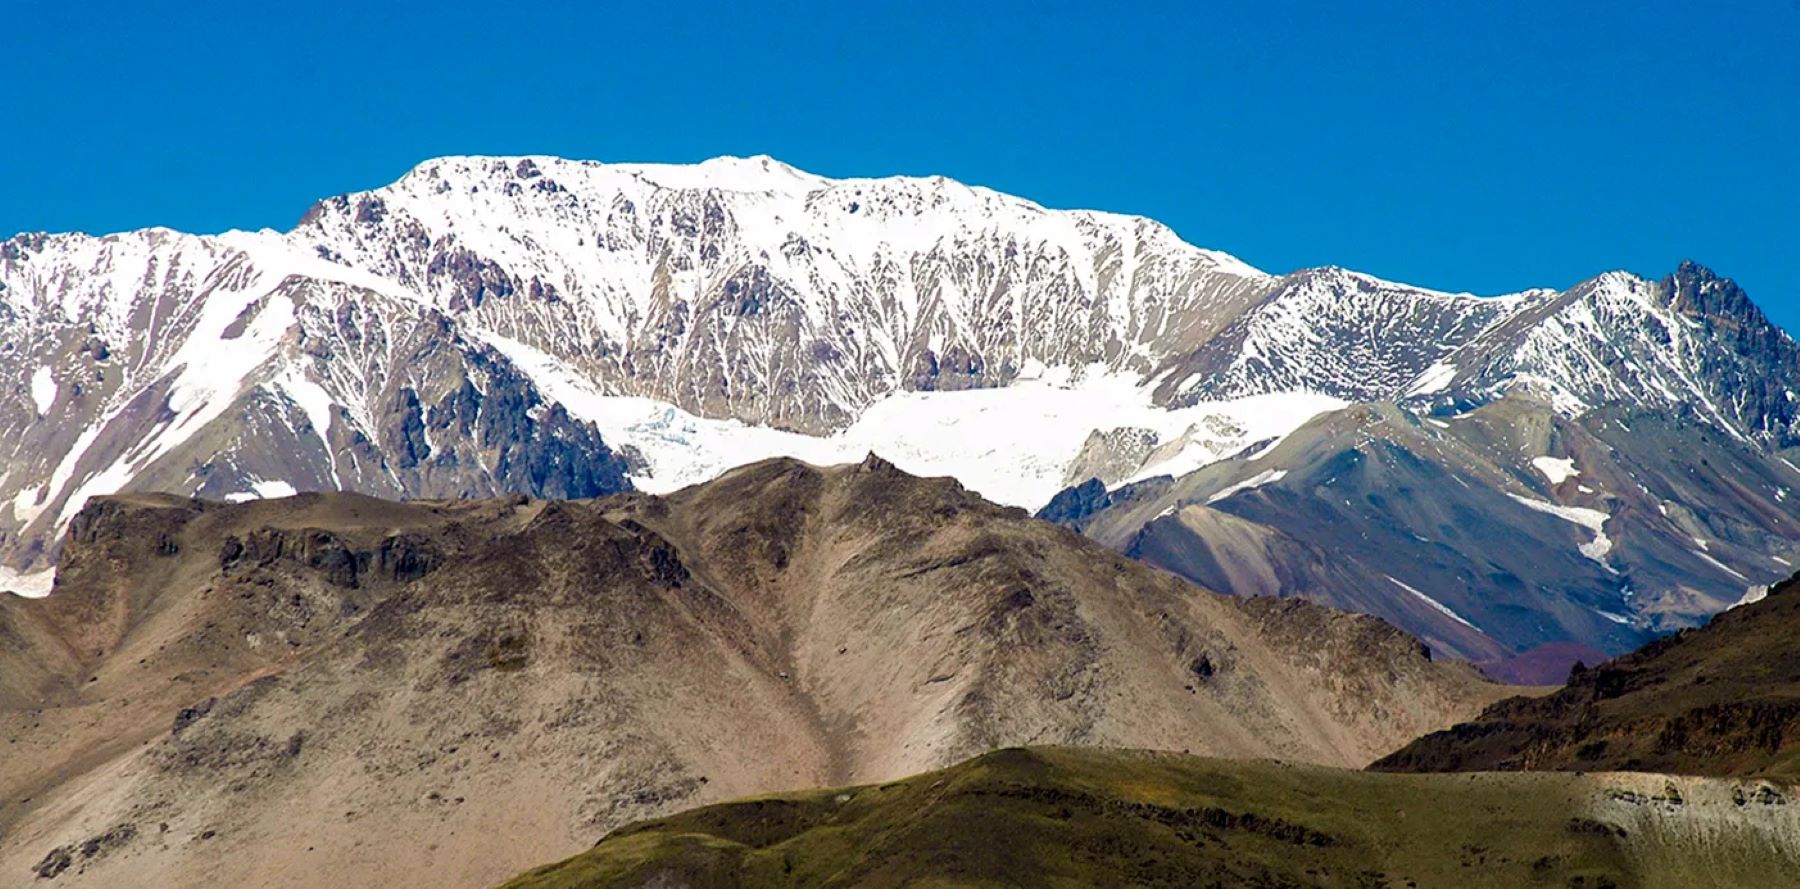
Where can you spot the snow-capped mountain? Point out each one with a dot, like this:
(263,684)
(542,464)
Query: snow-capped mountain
(1691,343)
(567,328)
(707,315)
(1335,331)
(235,366)
(747,289)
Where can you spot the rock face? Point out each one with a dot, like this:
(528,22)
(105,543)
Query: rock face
(1718,700)
(1583,471)
(333,687)
(1111,456)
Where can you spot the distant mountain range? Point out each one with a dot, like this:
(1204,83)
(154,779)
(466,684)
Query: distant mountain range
(1579,468)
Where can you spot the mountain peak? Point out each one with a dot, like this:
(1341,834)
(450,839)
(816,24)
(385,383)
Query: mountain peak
(1691,270)
(758,173)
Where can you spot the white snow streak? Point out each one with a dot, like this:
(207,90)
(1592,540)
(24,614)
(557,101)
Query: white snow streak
(1265,477)
(1592,519)
(1432,602)
(263,490)
(1721,566)
(1436,378)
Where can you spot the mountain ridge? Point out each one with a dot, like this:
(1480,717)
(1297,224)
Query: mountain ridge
(563,328)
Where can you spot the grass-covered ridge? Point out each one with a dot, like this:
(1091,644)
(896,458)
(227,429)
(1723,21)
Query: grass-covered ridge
(1075,817)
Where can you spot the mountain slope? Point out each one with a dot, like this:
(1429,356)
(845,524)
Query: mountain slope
(1493,534)
(225,367)
(1070,817)
(338,687)
(1718,700)
(1335,331)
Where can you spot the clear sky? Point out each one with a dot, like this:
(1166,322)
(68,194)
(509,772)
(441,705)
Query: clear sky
(1464,146)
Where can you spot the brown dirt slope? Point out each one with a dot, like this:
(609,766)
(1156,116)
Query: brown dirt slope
(332,688)
(1723,699)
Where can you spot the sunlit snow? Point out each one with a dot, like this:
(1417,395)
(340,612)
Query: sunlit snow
(1720,565)
(263,490)
(1592,519)
(26,507)
(34,585)
(1751,595)
(43,389)
(1557,471)
(1011,445)
(1436,378)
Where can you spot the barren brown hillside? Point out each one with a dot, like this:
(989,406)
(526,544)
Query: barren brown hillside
(331,688)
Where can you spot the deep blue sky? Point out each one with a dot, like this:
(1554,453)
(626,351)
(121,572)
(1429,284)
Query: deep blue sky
(1485,147)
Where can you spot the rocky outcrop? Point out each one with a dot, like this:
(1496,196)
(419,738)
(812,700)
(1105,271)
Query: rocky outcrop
(1719,700)
(1111,455)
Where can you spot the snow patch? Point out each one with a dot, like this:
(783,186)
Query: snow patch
(1561,399)
(1436,378)
(1591,519)
(43,390)
(1012,445)
(263,490)
(29,504)
(1752,594)
(34,585)
(1557,471)
(315,402)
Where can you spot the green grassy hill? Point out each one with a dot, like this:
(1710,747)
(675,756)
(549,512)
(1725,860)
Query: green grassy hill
(1071,817)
